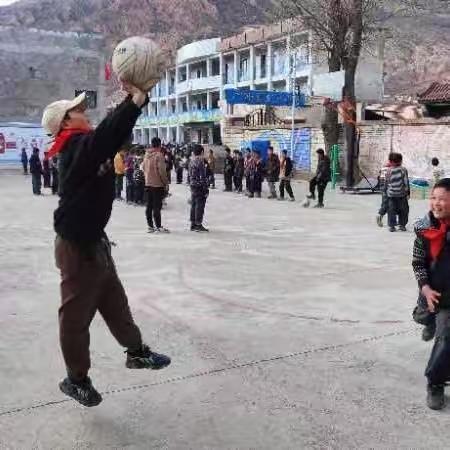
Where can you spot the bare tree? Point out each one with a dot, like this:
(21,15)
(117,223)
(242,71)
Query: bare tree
(341,28)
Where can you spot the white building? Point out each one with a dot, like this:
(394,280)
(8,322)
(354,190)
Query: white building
(263,58)
(258,59)
(184,105)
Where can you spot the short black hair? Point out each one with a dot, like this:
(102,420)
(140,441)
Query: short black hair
(391,157)
(443,183)
(156,142)
(397,158)
(198,149)
(270,147)
(284,152)
(227,150)
(435,162)
(320,151)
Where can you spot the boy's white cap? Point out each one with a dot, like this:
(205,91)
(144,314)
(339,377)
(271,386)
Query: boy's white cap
(54,113)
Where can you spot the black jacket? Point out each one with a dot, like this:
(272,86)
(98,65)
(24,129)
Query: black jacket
(239,167)
(323,173)
(228,165)
(429,270)
(273,169)
(86,176)
(35,165)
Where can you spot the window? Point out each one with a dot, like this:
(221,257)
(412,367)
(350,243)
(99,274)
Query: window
(91,98)
(215,67)
(243,66)
(226,74)
(262,68)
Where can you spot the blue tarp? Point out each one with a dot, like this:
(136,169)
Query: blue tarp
(272,98)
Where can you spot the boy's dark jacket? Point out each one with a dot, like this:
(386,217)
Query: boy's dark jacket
(431,256)
(86,176)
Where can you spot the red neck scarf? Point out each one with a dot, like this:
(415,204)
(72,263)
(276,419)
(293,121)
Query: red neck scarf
(61,139)
(436,237)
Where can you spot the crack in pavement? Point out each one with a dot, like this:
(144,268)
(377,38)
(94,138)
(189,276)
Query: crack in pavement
(218,370)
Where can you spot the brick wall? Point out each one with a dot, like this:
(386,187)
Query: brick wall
(417,142)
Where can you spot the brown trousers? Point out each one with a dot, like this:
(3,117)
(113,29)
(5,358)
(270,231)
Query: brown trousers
(89,282)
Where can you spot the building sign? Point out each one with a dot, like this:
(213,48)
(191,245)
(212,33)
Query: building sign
(14,138)
(210,115)
(272,98)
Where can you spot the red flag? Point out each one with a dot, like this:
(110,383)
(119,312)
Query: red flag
(107,72)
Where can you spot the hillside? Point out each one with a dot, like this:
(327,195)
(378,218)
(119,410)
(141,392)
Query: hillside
(417,53)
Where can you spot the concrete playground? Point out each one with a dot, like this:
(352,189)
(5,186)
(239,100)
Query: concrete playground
(289,328)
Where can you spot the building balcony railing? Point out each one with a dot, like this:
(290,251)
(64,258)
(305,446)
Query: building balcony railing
(197,116)
(198,84)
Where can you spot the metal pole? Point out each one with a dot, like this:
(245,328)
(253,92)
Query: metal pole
(293,73)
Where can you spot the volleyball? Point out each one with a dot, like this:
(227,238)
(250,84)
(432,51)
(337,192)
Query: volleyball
(139,61)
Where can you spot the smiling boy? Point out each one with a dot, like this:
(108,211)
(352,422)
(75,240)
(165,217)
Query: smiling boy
(431,264)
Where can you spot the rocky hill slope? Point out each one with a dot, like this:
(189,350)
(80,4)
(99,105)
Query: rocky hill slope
(417,53)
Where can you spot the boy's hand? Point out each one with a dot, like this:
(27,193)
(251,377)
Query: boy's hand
(139,97)
(432,297)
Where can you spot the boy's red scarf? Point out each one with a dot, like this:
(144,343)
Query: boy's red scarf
(436,237)
(62,138)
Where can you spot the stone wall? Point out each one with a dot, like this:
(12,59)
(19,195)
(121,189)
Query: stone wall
(418,142)
(38,67)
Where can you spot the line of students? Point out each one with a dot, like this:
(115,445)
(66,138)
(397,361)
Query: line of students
(254,170)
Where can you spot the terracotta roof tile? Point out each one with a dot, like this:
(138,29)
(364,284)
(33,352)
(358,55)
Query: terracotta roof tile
(438,92)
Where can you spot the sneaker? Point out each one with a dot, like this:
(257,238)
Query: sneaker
(435,396)
(281,199)
(402,228)
(380,221)
(292,199)
(83,392)
(146,359)
(193,227)
(151,229)
(201,229)
(319,205)
(162,230)
(311,196)
(428,332)
(392,229)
